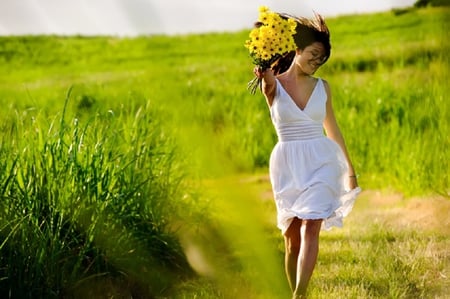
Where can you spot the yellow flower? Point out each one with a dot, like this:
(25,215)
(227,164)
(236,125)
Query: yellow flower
(263,17)
(263,8)
(254,33)
(271,18)
(293,24)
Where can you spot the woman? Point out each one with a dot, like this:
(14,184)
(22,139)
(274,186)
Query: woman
(310,172)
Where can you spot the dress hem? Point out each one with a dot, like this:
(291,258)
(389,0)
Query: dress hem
(334,219)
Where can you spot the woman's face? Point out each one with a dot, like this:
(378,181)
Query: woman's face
(311,58)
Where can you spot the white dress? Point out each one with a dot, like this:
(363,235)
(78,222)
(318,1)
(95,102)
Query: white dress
(308,171)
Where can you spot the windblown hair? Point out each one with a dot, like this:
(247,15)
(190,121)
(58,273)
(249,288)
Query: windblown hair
(308,31)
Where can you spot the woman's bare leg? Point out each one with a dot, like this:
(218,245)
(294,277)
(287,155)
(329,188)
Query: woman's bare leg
(292,243)
(310,230)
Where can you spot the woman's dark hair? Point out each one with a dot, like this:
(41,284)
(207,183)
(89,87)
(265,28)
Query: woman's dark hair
(307,32)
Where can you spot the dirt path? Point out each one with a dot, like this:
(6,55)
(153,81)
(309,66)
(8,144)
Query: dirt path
(421,213)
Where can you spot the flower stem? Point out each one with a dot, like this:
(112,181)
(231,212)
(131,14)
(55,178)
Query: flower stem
(253,84)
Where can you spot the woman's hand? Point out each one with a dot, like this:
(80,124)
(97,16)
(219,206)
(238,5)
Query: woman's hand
(258,72)
(266,74)
(267,83)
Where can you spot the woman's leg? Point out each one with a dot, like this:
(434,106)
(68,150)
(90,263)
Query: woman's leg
(310,230)
(292,243)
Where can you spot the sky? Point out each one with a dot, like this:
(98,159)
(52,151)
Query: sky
(144,17)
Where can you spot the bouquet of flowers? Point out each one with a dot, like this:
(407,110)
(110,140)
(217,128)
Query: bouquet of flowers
(271,38)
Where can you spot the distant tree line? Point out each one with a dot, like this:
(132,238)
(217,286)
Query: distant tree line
(423,3)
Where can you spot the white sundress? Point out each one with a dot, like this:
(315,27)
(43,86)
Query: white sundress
(308,171)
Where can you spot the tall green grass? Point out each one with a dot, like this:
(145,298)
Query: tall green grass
(89,201)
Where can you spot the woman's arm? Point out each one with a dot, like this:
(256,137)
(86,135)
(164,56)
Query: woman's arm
(333,132)
(268,84)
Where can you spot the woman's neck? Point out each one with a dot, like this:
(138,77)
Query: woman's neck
(297,73)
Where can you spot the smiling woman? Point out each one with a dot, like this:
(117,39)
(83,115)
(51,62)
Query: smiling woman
(313,180)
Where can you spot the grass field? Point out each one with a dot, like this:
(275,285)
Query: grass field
(131,165)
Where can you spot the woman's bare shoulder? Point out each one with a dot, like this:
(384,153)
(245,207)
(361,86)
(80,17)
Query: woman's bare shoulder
(326,85)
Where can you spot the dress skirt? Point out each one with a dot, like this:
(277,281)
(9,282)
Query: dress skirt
(309,179)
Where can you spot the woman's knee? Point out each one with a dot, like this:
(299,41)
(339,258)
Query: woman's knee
(311,229)
(292,236)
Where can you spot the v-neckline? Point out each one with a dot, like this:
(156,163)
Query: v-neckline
(309,98)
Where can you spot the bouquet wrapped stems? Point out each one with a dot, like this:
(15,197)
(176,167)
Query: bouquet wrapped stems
(253,84)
